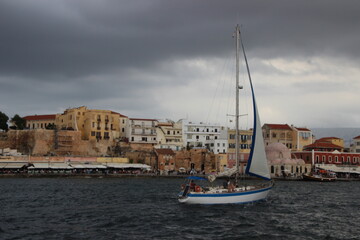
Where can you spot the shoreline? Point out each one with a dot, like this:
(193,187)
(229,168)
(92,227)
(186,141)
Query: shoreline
(19,175)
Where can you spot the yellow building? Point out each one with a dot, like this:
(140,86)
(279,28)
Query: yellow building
(301,137)
(93,124)
(293,138)
(169,135)
(334,140)
(245,138)
(278,133)
(40,121)
(221,162)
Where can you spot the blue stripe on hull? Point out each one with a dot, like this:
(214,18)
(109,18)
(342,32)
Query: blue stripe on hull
(228,194)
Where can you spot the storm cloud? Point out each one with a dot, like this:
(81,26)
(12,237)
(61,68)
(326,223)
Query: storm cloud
(162,59)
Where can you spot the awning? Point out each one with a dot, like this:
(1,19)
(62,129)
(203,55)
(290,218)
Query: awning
(127,165)
(339,169)
(50,166)
(60,166)
(2,165)
(14,165)
(88,166)
(39,166)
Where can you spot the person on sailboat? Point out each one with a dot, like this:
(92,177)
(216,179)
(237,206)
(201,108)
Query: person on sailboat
(231,187)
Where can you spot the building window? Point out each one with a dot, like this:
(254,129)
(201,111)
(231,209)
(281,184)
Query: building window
(106,135)
(323,159)
(330,159)
(317,159)
(92,133)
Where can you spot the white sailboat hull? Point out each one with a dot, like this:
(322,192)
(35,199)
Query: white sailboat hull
(226,198)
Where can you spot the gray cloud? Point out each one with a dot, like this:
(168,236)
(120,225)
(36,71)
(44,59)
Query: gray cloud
(116,54)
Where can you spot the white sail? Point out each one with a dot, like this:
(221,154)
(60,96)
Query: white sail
(257,163)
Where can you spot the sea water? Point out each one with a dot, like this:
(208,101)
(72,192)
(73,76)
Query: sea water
(147,208)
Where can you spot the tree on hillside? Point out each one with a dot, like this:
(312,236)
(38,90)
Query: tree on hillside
(3,121)
(50,126)
(18,122)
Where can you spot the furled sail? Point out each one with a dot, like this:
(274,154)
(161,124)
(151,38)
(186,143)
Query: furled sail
(227,173)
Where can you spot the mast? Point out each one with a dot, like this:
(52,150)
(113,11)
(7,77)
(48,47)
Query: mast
(237,32)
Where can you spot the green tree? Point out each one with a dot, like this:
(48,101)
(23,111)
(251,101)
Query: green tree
(50,126)
(19,122)
(3,121)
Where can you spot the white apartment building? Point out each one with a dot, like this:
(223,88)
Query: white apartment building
(201,135)
(355,146)
(142,130)
(169,135)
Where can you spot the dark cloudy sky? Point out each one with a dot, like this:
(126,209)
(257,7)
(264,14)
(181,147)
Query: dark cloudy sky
(173,59)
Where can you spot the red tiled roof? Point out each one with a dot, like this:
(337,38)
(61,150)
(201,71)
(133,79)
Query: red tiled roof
(358,137)
(303,129)
(119,114)
(143,119)
(327,139)
(279,126)
(164,151)
(40,117)
(165,124)
(322,145)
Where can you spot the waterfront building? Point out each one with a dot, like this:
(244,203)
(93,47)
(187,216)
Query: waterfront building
(343,163)
(221,144)
(245,139)
(202,135)
(40,121)
(328,144)
(221,162)
(292,137)
(92,123)
(283,163)
(355,146)
(169,135)
(165,160)
(301,138)
(141,130)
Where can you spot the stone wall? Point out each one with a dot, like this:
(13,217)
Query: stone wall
(40,142)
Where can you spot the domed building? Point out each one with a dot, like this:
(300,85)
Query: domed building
(282,164)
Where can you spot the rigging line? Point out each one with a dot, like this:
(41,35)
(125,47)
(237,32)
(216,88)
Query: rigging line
(220,104)
(213,108)
(230,93)
(212,104)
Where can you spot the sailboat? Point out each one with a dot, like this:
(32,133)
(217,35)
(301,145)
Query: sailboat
(257,166)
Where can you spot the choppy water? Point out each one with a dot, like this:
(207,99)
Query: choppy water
(147,208)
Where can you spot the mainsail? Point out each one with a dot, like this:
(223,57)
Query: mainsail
(257,163)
